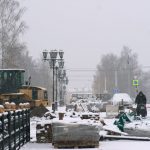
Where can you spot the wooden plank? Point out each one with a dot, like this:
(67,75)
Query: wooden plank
(113,130)
(126,137)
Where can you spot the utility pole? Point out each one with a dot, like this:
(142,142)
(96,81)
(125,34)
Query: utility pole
(105,91)
(129,74)
(116,79)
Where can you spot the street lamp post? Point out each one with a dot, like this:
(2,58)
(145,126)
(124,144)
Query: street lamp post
(58,67)
(62,74)
(65,82)
(56,85)
(52,61)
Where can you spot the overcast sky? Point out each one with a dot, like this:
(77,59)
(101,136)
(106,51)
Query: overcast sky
(87,29)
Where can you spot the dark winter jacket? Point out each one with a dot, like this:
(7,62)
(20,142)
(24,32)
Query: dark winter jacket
(140,98)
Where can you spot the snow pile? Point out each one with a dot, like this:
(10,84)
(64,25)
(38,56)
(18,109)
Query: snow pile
(39,111)
(49,115)
(139,127)
(44,132)
(119,97)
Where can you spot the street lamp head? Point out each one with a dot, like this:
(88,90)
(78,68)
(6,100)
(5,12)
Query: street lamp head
(61,54)
(45,54)
(53,54)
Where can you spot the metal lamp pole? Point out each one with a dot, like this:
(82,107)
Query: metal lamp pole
(53,56)
(56,87)
(63,75)
(64,88)
(53,59)
(53,104)
(61,66)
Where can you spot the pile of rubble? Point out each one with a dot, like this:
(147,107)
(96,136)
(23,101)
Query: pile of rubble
(44,133)
(38,111)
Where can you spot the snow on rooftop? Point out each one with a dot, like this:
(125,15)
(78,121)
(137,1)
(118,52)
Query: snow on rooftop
(13,69)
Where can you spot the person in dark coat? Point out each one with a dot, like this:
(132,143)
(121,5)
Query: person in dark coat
(141,102)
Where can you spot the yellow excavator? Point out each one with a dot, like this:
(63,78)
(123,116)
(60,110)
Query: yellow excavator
(13,89)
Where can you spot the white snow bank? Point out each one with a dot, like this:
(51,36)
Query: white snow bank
(119,97)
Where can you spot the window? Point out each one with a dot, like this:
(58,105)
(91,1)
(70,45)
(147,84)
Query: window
(34,94)
(45,95)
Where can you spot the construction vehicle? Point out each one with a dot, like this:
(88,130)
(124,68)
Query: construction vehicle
(13,89)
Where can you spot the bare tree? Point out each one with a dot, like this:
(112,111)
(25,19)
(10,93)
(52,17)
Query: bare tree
(116,73)
(129,68)
(104,79)
(38,71)
(11,29)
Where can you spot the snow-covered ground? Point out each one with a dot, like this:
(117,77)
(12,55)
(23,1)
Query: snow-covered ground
(103,145)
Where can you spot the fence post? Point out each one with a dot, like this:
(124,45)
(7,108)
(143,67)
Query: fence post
(14,129)
(3,131)
(9,128)
(28,120)
(26,125)
(23,125)
(18,113)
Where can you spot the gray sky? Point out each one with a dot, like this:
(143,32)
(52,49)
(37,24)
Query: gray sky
(87,29)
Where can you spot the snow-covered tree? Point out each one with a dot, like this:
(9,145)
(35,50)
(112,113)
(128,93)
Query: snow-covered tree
(11,29)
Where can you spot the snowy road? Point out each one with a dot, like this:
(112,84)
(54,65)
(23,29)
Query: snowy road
(107,145)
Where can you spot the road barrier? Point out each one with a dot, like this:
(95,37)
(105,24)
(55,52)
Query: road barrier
(14,129)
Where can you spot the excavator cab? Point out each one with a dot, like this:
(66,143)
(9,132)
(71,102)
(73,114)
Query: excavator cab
(11,80)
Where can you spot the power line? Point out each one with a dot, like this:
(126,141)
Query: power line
(81,70)
(80,80)
(93,69)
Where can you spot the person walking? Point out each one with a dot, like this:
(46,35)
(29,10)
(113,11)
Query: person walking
(141,104)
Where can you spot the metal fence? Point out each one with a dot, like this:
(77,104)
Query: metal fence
(14,129)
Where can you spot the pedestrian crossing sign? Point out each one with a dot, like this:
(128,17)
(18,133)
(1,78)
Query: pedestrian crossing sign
(135,82)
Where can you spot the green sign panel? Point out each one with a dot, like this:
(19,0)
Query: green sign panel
(135,82)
